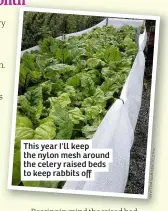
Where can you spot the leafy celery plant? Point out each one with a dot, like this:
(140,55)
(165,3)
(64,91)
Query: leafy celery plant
(66,88)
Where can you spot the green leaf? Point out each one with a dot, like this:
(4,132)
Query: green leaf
(28,61)
(64,100)
(61,118)
(94,63)
(46,88)
(31,104)
(35,76)
(95,76)
(24,133)
(88,102)
(23,121)
(24,77)
(109,87)
(99,97)
(53,72)
(87,84)
(70,91)
(46,131)
(16,177)
(57,86)
(112,54)
(89,131)
(65,55)
(46,120)
(74,81)
(34,96)
(48,45)
(65,130)
(59,114)
(92,112)
(76,115)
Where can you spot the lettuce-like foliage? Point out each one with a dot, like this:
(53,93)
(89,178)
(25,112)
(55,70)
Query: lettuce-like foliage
(89,130)
(63,100)
(55,71)
(92,112)
(67,87)
(23,133)
(62,120)
(46,131)
(94,63)
(74,81)
(23,121)
(87,85)
(31,103)
(76,115)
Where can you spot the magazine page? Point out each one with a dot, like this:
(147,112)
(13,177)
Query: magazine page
(81,96)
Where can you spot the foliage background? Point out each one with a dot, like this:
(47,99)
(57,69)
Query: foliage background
(37,26)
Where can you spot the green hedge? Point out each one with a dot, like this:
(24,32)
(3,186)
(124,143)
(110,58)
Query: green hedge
(37,26)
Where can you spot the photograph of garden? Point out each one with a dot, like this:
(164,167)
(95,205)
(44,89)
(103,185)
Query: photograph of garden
(72,71)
